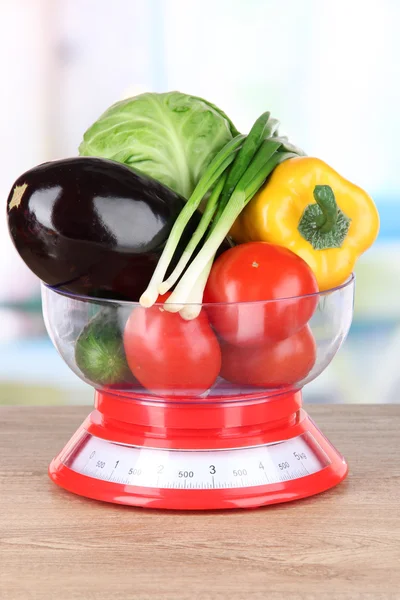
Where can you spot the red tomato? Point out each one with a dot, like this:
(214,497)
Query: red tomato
(274,365)
(171,356)
(253,273)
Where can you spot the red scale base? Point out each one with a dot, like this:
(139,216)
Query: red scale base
(212,424)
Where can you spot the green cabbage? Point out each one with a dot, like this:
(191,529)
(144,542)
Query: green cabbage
(171,137)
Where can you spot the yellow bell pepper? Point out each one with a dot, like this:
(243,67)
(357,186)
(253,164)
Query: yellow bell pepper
(309,208)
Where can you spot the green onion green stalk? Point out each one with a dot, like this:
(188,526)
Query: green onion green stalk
(233,177)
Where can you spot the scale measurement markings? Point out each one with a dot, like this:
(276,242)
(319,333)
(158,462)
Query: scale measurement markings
(198,469)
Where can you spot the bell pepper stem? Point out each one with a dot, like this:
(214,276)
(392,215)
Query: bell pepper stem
(325,198)
(322,223)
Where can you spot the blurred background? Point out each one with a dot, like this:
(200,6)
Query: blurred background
(329,71)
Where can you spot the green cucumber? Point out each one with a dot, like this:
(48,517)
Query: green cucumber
(99,351)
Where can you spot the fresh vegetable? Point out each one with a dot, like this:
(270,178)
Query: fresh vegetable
(99,351)
(309,208)
(169,355)
(217,167)
(266,281)
(244,163)
(284,363)
(92,226)
(171,137)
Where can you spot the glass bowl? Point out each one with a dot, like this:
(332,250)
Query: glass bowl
(230,351)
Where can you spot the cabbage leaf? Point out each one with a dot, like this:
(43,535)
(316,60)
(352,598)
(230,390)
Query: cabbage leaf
(171,137)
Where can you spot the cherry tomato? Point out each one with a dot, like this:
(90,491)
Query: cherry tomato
(269,279)
(274,365)
(171,356)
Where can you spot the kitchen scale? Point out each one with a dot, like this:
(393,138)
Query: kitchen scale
(233,447)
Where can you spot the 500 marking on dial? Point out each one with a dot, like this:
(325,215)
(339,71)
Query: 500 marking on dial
(198,469)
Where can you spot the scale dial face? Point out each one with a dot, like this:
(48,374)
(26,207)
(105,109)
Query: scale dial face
(248,467)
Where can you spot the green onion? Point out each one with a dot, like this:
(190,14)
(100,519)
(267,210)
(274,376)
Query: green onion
(196,237)
(266,159)
(214,171)
(262,129)
(192,309)
(234,175)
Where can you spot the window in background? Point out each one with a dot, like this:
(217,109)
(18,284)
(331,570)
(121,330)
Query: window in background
(327,70)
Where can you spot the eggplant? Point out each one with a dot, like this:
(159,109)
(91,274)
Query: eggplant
(92,226)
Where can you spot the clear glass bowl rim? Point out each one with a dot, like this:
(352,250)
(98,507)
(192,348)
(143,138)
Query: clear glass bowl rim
(110,302)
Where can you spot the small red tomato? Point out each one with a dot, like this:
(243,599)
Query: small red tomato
(272,290)
(171,356)
(280,364)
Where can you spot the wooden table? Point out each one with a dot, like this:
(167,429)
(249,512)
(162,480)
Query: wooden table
(343,544)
